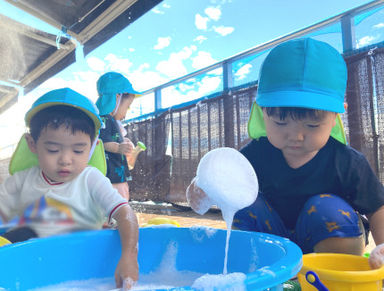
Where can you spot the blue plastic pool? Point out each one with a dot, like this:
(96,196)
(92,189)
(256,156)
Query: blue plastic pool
(267,260)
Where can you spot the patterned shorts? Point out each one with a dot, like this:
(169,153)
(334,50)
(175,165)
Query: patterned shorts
(322,216)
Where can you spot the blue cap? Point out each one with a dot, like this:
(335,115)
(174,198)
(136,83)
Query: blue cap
(303,73)
(108,86)
(66,96)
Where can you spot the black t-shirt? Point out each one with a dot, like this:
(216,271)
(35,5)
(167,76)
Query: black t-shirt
(336,169)
(117,168)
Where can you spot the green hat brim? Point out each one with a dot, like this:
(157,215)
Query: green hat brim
(22,158)
(256,125)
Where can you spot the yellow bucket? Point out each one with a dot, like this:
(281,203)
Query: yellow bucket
(341,272)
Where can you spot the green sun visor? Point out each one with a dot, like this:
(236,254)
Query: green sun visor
(256,126)
(23,158)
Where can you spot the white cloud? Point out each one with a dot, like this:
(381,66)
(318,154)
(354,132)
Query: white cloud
(243,72)
(220,2)
(96,64)
(208,85)
(223,30)
(162,42)
(213,13)
(203,59)
(115,63)
(200,39)
(187,92)
(201,22)
(364,41)
(143,79)
(379,25)
(157,11)
(174,67)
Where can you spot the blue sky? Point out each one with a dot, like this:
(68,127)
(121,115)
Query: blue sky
(178,37)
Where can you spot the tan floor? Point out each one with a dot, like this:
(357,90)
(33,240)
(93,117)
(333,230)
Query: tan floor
(187,219)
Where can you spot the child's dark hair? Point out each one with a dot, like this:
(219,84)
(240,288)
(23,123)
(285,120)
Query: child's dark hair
(56,116)
(127,95)
(296,113)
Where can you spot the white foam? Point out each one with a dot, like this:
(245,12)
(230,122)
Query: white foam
(152,281)
(200,233)
(228,178)
(229,181)
(158,280)
(229,282)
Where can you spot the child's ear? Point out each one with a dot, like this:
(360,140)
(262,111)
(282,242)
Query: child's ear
(335,120)
(118,100)
(31,143)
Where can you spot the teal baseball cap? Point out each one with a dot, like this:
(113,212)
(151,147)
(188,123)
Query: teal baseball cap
(303,73)
(108,85)
(69,97)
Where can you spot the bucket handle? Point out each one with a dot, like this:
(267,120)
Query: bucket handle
(314,280)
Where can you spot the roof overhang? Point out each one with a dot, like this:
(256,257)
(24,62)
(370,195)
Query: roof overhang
(30,56)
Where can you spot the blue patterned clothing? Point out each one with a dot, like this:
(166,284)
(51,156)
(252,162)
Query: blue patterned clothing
(337,169)
(117,168)
(323,216)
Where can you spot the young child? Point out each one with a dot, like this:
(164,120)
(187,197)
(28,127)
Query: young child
(63,194)
(313,188)
(116,95)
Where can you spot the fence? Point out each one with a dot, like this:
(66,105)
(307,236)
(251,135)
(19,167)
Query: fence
(178,138)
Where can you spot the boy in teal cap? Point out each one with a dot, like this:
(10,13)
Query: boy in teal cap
(62,193)
(116,95)
(313,187)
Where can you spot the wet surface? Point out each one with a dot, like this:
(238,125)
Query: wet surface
(183,215)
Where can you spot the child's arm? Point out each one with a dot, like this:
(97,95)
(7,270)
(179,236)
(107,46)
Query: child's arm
(127,270)
(122,148)
(376,224)
(3,218)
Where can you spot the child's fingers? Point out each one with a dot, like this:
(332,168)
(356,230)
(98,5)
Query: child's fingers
(376,258)
(125,148)
(197,198)
(118,281)
(128,283)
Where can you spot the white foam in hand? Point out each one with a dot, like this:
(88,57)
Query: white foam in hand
(226,178)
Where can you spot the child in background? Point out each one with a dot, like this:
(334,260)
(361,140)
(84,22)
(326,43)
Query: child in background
(313,188)
(63,194)
(116,95)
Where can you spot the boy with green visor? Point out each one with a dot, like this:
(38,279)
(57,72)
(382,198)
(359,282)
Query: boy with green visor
(313,187)
(62,193)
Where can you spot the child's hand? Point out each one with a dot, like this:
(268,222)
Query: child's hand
(127,272)
(126,147)
(376,259)
(197,198)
